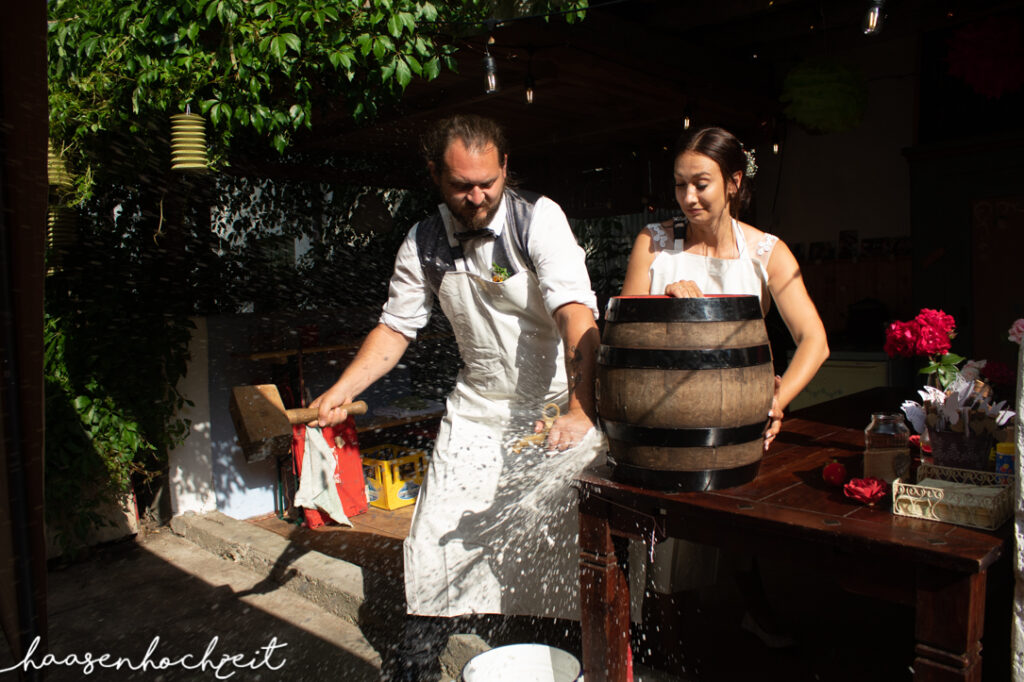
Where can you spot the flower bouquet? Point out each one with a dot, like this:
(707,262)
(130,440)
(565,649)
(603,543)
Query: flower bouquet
(959,416)
(930,334)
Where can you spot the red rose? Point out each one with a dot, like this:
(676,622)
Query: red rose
(931,341)
(866,490)
(900,338)
(937,319)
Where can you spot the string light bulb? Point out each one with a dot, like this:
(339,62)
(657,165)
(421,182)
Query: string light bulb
(873,19)
(490,74)
(687,118)
(529,83)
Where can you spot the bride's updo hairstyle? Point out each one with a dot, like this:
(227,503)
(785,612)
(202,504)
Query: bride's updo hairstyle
(723,148)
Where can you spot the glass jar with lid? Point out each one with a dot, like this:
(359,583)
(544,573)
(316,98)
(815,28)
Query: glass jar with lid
(886,447)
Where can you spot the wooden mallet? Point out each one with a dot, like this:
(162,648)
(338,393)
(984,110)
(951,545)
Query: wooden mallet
(264,427)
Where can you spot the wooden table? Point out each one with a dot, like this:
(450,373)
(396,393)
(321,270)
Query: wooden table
(787,512)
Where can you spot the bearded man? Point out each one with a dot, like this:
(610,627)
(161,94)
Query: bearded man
(495,525)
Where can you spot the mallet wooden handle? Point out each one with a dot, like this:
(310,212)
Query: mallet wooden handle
(303,415)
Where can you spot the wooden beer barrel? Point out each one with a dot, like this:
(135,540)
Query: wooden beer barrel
(684,386)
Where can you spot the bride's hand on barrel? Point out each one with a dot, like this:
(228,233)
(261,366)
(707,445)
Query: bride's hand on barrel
(684,288)
(567,431)
(774,417)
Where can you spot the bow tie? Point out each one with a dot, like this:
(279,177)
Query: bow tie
(473,234)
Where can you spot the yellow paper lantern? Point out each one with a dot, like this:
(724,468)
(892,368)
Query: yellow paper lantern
(61,236)
(56,170)
(188,143)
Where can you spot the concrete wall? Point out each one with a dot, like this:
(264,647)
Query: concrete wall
(191,463)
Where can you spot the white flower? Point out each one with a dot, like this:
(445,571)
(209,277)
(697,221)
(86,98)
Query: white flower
(916,414)
(998,413)
(930,394)
(972,369)
(950,408)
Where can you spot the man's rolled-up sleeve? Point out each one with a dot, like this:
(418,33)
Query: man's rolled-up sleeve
(407,309)
(559,261)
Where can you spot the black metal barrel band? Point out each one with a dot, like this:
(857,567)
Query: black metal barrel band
(662,358)
(685,481)
(658,309)
(713,436)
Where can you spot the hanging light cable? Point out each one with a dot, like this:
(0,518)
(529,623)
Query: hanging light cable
(873,19)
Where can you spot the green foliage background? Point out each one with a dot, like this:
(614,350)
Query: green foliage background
(256,68)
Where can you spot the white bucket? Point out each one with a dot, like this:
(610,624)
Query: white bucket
(523,663)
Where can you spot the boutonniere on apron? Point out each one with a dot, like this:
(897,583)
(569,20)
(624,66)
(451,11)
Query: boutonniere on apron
(550,413)
(499,274)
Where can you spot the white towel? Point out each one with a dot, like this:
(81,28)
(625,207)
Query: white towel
(318,483)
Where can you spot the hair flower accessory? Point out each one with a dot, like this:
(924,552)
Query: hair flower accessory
(751,169)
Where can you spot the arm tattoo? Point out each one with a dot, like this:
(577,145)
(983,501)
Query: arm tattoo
(575,368)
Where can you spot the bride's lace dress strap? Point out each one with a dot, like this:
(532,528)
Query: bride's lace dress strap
(662,236)
(766,244)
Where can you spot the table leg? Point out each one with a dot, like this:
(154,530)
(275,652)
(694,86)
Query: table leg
(950,622)
(604,596)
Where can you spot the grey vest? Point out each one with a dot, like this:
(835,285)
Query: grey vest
(437,256)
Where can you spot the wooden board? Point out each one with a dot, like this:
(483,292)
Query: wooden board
(260,422)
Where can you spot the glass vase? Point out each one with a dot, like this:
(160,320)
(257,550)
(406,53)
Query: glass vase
(886,447)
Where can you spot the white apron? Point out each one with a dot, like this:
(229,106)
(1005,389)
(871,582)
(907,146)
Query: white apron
(740,275)
(493,531)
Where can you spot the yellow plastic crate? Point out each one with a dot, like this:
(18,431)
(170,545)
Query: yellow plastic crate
(393,475)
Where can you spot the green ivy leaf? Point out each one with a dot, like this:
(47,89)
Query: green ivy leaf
(280,143)
(389,70)
(365,43)
(292,41)
(278,46)
(414,64)
(403,73)
(394,26)
(432,69)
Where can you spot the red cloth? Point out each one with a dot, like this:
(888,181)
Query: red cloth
(348,473)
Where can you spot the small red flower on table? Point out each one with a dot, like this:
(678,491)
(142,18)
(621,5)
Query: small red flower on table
(867,490)
(834,473)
